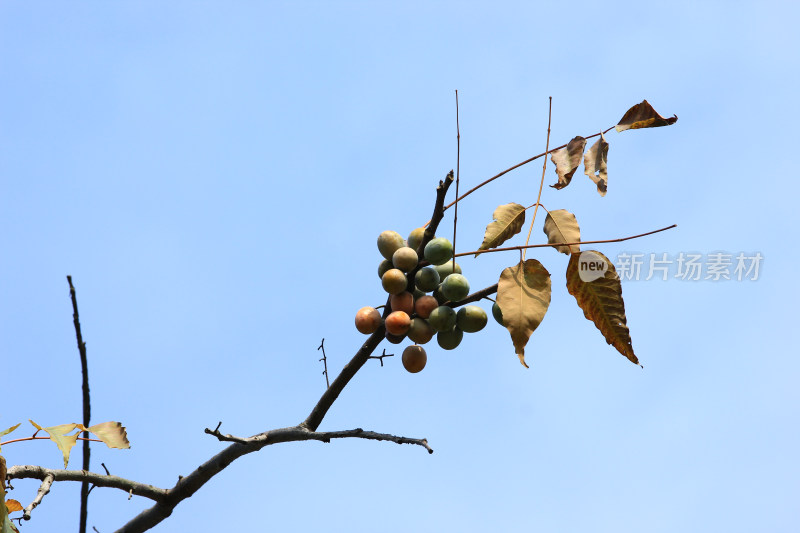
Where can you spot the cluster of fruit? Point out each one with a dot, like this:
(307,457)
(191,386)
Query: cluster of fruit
(413,312)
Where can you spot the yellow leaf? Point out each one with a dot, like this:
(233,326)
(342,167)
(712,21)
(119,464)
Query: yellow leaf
(593,281)
(112,433)
(643,116)
(9,430)
(561,226)
(508,221)
(58,434)
(567,161)
(595,163)
(523,295)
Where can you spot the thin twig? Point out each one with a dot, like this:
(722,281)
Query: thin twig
(384,354)
(23,439)
(567,243)
(544,169)
(458,175)
(86,403)
(324,361)
(297,433)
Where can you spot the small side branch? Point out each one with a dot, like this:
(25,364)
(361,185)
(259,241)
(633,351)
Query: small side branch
(324,361)
(297,433)
(438,212)
(380,357)
(44,489)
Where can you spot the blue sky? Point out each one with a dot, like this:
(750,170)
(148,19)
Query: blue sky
(214,176)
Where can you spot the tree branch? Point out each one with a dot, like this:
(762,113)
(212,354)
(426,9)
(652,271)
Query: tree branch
(167,499)
(100,480)
(86,404)
(44,488)
(298,433)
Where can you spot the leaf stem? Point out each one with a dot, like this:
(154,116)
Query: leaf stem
(41,438)
(544,168)
(567,243)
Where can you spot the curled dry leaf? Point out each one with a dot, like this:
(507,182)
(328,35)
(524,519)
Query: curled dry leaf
(596,164)
(523,294)
(508,221)
(13,506)
(643,116)
(112,433)
(567,161)
(561,226)
(601,301)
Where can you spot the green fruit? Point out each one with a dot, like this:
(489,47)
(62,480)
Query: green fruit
(389,242)
(415,238)
(438,251)
(414,358)
(420,331)
(497,313)
(449,339)
(368,320)
(471,318)
(455,287)
(384,267)
(394,281)
(447,269)
(405,259)
(442,318)
(418,294)
(427,279)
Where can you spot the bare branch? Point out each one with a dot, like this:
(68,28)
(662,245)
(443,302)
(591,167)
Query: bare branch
(44,488)
(298,433)
(86,404)
(38,472)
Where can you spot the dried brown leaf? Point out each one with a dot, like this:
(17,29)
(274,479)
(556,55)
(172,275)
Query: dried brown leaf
(508,221)
(596,164)
(523,294)
(13,506)
(643,116)
(567,161)
(561,226)
(601,298)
